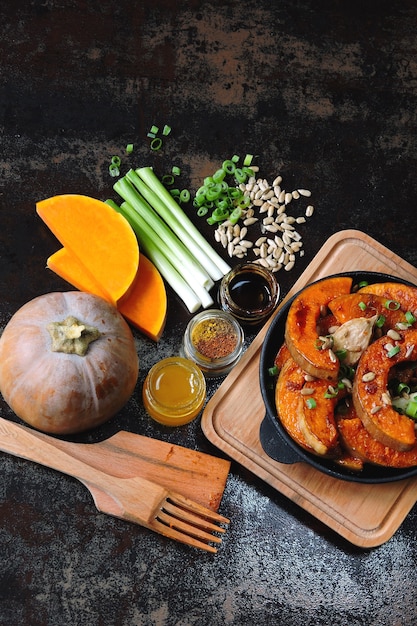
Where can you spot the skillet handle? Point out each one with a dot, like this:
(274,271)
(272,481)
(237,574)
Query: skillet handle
(275,446)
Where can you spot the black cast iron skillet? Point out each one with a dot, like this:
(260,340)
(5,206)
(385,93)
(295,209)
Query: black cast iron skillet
(274,438)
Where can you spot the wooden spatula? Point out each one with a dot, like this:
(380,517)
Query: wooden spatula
(196,475)
(134,499)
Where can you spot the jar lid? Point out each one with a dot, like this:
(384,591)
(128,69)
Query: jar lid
(174,391)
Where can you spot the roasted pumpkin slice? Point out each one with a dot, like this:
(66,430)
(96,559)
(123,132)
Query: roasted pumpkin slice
(290,381)
(316,417)
(303,317)
(368,305)
(360,443)
(282,356)
(370,393)
(405,295)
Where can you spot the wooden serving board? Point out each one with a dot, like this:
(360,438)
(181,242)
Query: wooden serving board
(367,515)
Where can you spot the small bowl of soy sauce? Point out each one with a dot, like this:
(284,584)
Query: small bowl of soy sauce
(249,292)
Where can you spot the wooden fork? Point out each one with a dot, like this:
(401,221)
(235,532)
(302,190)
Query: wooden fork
(134,499)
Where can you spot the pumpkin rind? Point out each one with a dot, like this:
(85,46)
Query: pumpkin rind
(62,393)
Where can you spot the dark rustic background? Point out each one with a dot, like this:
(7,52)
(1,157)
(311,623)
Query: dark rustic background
(325,94)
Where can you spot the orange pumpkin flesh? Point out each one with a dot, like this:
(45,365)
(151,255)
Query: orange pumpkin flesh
(61,393)
(354,305)
(145,305)
(101,239)
(301,327)
(406,295)
(360,443)
(379,417)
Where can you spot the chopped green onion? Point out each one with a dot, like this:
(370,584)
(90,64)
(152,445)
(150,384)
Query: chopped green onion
(410,317)
(403,388)
(185,195)
(248,160)
(341,354)
(363,283)
(176,170)
(154,130)
(411,409)
(166,130)
(156,143)
(273,371)
(395,350)
(311,403)
(229,166)
(380,321)
(175,193)
(114,169)
(235,215)
(116,160)
(392,305)
(219,175)
(168,180)
(235,158)
(330,392)
(362,306)
(129,148)
(202,211)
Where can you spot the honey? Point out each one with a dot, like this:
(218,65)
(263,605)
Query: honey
(174,391)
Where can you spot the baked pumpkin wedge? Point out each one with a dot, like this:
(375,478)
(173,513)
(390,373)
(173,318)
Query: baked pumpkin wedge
(282,356)
(360,443)
(354,305)
(301,334)
(316,420)
(290,381)
(405,295)
(370,394)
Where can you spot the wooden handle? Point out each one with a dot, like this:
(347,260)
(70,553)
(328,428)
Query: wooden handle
(27,444)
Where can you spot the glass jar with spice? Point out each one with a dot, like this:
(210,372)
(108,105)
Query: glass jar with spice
(213,340)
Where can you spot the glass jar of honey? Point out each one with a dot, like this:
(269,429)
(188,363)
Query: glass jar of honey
(174,391)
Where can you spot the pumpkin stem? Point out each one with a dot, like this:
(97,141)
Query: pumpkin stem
(71,336)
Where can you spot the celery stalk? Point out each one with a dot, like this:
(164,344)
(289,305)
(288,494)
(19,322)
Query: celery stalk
(179,222)
(193,271)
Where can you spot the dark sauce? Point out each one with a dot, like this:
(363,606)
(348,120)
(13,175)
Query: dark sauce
(250,291)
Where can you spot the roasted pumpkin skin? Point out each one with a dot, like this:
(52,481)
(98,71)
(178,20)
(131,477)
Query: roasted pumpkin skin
(301,326)
(61,393)
(383,423)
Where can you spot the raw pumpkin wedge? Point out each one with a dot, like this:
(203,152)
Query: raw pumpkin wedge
(301,325)
(99,237)
(145,306)
(354,305)
(370,394)
(405,295)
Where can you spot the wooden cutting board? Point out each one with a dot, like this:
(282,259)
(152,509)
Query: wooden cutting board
(364,514)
